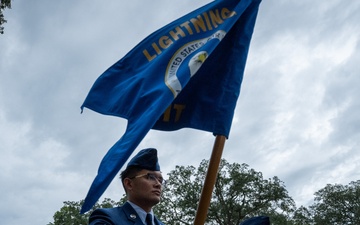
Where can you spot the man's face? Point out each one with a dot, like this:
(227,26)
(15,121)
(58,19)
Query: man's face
(145,188)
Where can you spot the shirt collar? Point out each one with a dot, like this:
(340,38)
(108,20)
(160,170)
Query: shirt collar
(141,213)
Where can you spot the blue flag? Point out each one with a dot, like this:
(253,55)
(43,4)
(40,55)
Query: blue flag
(186,74)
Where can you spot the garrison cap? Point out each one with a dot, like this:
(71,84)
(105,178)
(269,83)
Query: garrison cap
(145,159)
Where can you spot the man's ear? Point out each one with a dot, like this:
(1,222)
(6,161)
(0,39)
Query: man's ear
(128,184)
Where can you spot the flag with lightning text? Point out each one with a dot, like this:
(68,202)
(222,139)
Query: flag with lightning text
(186,74)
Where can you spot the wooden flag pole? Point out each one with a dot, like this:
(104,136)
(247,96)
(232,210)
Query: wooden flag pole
(210,180)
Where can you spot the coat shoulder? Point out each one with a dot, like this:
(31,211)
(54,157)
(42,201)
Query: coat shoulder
(113,216)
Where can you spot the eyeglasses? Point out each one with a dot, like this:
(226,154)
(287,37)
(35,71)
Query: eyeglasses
(152,177)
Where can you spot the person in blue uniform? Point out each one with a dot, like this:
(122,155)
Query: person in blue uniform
(143,183)
(258,220)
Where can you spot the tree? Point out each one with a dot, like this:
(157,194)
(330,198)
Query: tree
(4,4)
(337,204)
(302,216)
(69,214)
(239,193)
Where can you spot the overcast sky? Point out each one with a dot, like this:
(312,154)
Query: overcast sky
(297,116)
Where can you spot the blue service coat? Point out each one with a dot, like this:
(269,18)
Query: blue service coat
(259,220)
(123,215)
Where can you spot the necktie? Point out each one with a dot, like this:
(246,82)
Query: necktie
(148,219)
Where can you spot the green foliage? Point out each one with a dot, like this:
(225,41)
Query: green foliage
(179,198)
(4,4)
(302,216)
(239,193)
(69,214)
(337,204)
